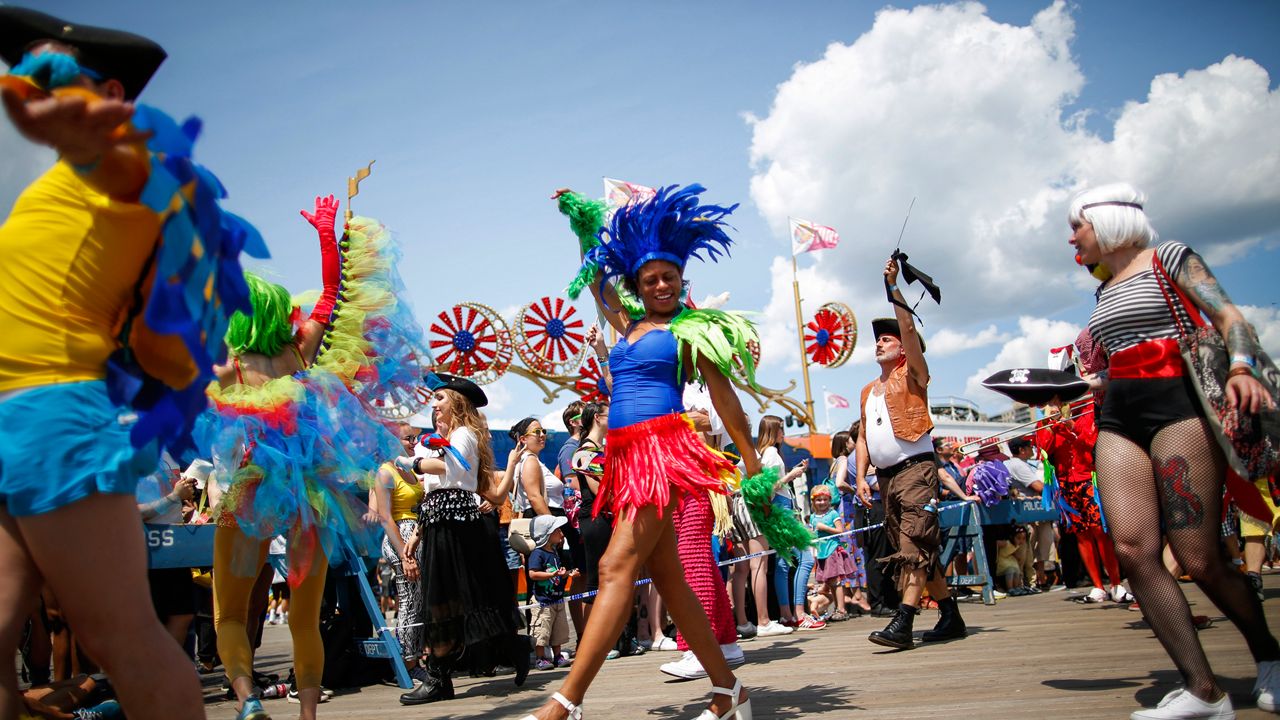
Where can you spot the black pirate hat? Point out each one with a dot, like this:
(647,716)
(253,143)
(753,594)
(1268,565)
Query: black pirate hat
(1036,386)
(113,54)
(460,385)
(889,326)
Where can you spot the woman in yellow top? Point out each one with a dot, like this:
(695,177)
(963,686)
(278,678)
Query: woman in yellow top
(400,493)
(76,250)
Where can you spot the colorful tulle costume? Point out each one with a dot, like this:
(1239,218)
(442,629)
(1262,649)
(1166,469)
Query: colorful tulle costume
(297,453)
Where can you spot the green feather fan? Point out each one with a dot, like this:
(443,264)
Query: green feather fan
(781,527)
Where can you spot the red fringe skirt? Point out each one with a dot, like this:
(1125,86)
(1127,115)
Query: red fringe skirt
(645,461)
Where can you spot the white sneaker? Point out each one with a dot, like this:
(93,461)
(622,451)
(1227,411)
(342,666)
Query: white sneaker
(1120,594)
(687,667)
(665,643)
(773,628)
(733,654)
(1095,596)
(1267,687)
(1182,705)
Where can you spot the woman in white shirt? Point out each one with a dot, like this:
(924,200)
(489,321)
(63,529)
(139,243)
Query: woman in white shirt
(467,593)
(790,599)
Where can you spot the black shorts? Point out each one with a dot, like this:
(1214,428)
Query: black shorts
(172,592)
(1139,408)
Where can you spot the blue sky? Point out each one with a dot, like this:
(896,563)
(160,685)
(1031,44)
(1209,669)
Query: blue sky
(476,112)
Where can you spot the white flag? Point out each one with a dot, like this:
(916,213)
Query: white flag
(809,236)
(620,192)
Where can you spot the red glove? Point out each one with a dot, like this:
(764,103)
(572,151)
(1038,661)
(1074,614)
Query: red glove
(330,264)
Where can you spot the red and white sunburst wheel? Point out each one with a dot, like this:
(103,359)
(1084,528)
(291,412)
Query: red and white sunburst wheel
(591,386)
(830,336)
(471,340)
(549,338)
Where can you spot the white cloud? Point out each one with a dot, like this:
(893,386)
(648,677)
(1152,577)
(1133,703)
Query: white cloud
(1266,321)
(949,342)
(1029,349)
(972,117)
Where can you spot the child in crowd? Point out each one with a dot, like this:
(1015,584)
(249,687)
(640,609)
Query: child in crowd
(550,624)
(833,563)
(1012,559)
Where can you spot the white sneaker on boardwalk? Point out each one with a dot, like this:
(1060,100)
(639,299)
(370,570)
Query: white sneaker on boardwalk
(773,628)
(733,654)
(665,643)
(1267,687)
(1182,705)
(687,667)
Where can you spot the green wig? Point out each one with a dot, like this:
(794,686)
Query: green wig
(268,330)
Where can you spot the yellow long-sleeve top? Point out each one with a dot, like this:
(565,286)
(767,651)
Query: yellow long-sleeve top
(69,260)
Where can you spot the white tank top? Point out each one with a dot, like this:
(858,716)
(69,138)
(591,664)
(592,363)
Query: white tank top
(552,487)
(883,447)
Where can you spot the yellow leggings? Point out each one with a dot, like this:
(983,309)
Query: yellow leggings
(233,553)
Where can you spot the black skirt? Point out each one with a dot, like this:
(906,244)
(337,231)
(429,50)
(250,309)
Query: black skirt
(467,593)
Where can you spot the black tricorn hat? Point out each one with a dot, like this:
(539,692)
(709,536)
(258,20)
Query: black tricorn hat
(131,59)
(889,326)
(460,385)
(1036,386)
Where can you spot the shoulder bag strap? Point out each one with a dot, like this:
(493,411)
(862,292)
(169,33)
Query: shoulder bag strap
(1167,285)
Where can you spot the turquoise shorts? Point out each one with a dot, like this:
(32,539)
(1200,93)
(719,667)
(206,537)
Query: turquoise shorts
(62,443)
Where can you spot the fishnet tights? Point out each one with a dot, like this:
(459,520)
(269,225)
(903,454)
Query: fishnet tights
(1177,487)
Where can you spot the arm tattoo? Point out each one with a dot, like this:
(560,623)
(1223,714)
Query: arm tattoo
(1240,340)
(1183,509)
(1206,292)
(1202,286)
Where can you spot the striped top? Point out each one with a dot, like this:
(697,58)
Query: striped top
(1134,310)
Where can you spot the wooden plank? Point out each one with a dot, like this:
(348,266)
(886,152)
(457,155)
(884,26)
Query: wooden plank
(1037,656)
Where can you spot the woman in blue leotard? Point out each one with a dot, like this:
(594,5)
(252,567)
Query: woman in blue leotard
(653,454)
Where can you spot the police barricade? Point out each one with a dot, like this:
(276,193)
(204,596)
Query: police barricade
(962,528)
(187,546)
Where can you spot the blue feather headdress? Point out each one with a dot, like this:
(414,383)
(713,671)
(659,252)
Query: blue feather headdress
(670,226)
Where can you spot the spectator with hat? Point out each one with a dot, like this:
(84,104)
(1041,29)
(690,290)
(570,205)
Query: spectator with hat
(467,594)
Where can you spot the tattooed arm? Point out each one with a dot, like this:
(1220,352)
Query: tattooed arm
(1195,278)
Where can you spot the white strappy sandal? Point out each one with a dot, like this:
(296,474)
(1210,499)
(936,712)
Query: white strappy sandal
(736,711)
(575,711)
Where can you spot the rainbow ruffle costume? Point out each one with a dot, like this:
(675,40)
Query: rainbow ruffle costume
(298,453)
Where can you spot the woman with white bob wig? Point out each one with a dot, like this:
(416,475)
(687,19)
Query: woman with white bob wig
(1158,464)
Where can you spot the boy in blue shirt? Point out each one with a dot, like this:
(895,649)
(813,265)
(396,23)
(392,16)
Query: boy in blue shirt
(550,624)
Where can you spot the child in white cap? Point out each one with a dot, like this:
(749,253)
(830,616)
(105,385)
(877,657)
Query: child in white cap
(550,624)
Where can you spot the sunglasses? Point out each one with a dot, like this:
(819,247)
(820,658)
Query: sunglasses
(535,433)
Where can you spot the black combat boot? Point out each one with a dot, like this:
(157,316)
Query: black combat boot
(438,686)
(950,625)
(897,634)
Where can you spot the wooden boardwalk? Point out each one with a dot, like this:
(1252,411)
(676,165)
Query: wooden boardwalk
(1040,656)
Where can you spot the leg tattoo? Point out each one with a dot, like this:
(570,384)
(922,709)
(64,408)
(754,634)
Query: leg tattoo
(1183,508)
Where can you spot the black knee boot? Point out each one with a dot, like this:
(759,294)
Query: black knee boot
(438,686)
(897,634)
(950,625)
(520,657)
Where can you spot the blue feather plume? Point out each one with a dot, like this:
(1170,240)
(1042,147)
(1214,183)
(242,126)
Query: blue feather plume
(670,226)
